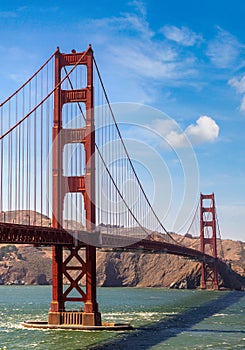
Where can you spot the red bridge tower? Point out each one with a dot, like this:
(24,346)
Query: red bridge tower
(208,237)
(86,186)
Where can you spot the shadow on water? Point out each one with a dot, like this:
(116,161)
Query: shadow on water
(216,331)
(154,333)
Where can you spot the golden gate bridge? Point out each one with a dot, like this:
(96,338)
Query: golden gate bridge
(63,156)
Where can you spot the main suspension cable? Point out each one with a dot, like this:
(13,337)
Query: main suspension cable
(45,98)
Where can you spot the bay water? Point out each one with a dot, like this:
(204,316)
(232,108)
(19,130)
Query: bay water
(162,319)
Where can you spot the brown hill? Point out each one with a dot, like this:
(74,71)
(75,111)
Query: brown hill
(164,270)
(31,265)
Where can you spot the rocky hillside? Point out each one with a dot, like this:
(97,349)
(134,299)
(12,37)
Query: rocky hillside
(25,264)
(31,265)
(164,270)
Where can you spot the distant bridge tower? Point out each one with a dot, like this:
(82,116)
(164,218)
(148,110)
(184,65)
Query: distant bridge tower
(209,276)
(85,185)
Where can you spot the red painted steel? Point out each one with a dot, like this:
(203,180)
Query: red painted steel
(83,184)
(57,303)
(48,236)
(208,227)
(72,242)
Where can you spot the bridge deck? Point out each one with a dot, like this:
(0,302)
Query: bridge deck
(49,236)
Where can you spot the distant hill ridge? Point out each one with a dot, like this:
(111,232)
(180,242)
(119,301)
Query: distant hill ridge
(30,265)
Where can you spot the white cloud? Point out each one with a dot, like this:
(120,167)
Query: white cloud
(183,35)
(224,50)
(204,130)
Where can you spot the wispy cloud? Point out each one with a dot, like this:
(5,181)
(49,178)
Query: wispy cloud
(135,47)
(139,6)
(239,85)
(165,64)
(8,14)
(183,35)
(152,61)
(224,49)
(242,106)
(232,222)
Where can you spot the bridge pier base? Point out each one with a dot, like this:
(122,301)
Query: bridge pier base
(74,264)
(71,318)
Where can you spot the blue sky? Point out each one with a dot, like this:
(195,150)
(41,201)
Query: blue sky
(184,58)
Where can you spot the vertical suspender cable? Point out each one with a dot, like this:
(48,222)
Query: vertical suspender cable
(1,162)
(41,151)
